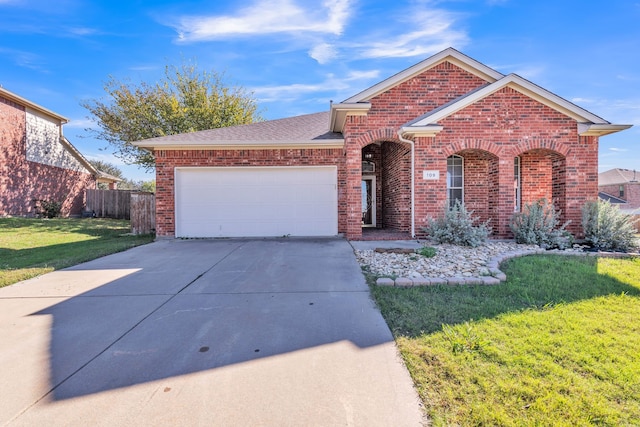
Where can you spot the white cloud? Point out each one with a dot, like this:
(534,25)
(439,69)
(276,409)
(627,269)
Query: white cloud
(323,53)
(288,93)
(579,100)
(435,32)
(331,85)
(24,59)
(362,75)
(618,150)
(267,17)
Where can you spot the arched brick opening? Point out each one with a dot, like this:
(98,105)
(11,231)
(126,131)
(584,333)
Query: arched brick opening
(543,176)
(390,161)
(481,184)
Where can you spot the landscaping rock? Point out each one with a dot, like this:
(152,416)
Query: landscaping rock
(385,281)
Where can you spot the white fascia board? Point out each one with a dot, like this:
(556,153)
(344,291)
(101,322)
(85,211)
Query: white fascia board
(450,54)
(241,145)
(25,102)
(340,111)
(430,130)
(590,129)
(525,87)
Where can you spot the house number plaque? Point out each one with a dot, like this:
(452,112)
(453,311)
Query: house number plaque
(431,175)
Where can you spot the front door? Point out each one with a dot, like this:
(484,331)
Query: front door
(368,201)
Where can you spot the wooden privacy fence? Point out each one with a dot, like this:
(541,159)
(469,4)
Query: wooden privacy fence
(143,213)
(109,203)
(139,207)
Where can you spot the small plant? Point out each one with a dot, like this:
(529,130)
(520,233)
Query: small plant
(456,226)
(48,208)
(538,224)
(463,338)
(607,228)
(427,251)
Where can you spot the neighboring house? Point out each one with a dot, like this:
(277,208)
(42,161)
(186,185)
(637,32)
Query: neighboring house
(446,129)
(621,187)
(37,162)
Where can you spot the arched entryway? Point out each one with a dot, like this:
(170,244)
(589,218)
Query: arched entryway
(543,176)
(386,188)
(473,177)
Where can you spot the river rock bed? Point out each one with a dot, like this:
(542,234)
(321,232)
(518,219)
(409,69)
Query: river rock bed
(450,261)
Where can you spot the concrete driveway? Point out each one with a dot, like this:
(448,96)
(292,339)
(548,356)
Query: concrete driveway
(203,332)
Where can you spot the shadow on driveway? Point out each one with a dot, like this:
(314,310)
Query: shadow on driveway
(175,308)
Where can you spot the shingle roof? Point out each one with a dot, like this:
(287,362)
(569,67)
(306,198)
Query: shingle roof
(611,199)
(618,176)
(308,129)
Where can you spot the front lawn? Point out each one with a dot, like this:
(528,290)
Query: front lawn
(30,247)
(557,344)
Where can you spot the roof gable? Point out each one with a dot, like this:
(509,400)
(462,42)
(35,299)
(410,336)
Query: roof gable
(359,103)
(451,55)
(589,123)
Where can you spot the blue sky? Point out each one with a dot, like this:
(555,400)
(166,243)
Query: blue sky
(297,55)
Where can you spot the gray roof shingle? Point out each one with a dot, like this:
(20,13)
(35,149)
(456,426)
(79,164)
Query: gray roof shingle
(618,176)
(309,128)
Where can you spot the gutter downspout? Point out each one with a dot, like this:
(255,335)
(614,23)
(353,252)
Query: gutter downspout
(413,165)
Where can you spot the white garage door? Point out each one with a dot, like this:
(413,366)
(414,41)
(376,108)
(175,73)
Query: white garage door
(256,201)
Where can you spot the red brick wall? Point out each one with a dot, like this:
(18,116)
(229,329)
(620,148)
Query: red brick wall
(12,150)
(556,163)
(420,94)
(396,186)
(22,181)
(614,190)
(631,193)
(388,112)
(167,160)
(554,158)
(480,183)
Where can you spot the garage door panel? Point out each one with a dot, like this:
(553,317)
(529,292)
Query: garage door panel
(256,201)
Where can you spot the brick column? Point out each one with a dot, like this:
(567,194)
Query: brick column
(506,198)
(353,189)
(430,196)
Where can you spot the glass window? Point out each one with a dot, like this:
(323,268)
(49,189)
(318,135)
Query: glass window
(455,180)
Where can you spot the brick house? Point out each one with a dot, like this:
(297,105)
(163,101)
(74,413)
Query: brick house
(448,128)
(622,187)
(37,162)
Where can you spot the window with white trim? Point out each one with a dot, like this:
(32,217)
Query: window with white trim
(455,179)
(516,184)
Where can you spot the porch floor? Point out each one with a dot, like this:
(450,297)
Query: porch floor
(369,233)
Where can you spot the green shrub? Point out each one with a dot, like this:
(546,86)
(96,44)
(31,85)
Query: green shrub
(607,228)
(456,227)
(48,208)
(537,224)
(427,251)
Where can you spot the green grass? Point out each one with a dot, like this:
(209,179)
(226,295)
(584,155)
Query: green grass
(557,344)
(30,247)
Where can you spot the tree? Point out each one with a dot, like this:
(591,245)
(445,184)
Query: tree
(107,167)
(125,184)
(185,100)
